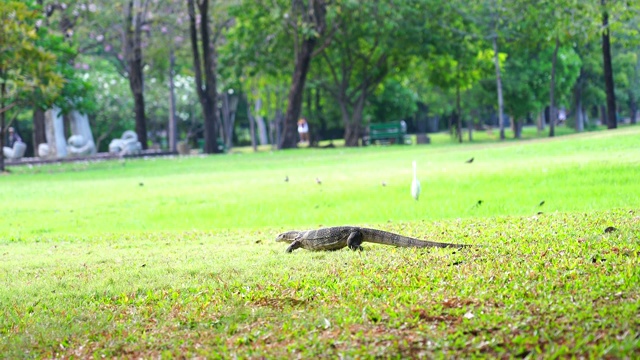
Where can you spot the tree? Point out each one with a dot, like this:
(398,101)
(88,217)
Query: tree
(459,63)
(619,11)
(363,53)
(392,100)
(135,13)
(526,80)
(76,93)
(307,23)
(588,91)
(495,15)
(566,20)
(116,30)
(627,38)
(205,66)
(497,22)
(27,72)
(608,69)
(257,57)
(168,57)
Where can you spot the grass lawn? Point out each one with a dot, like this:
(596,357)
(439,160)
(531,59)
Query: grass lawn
(169,257)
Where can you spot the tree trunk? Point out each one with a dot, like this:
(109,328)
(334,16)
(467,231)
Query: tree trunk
(303,60)
(633,109)
(39,134)
(496,60)
(603,115)
(633,100)
(309,104)
(517,128)
(3,92)
(577,93)
(579,117)
(133,40)
(205,71)
(314,13)
(173,123)
(540,122)
(552,85)
(612,122)
(276,128)
(351,134)
(352,123)
(458,115)
(318,114)
(252,128)
(262,128)
(470,124)
(229,105)
(585,119)
(579,125)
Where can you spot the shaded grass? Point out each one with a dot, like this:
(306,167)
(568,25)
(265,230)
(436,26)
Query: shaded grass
(551,284)
(185,265)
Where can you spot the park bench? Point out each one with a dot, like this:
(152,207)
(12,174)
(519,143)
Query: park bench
(393,132)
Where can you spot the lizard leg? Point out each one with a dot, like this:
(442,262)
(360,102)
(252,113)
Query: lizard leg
(354,240)
(294,245)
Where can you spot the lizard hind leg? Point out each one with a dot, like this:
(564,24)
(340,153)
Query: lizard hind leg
(354,241)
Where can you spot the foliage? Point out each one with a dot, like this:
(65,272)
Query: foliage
(430,49)
(114,105)
(28,71)
(527,80)
(391,101)
(362,55)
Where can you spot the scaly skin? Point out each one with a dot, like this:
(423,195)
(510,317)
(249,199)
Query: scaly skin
(334,238)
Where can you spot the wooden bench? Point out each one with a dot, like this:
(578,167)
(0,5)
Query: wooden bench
(393,132)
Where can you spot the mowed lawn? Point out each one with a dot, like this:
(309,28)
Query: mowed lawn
(170,257)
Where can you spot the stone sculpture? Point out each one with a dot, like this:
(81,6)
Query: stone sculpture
(56,146)
(128,144)
(81,142)
(16,152)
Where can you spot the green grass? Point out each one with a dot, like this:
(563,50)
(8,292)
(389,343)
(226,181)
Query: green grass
(93,264)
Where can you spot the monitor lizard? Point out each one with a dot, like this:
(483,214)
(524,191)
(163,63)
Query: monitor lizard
(334,238)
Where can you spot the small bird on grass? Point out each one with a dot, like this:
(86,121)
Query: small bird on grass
(541,203)
(415,184)
(286,178)
(469,161)
(318,181)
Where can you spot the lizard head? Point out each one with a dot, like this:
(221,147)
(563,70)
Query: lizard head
(288,236)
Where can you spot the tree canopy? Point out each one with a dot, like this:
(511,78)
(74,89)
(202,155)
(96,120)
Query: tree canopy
(342,64)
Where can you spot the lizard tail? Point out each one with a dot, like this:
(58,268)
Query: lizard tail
(387,238)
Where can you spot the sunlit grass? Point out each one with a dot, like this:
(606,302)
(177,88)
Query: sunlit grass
(594,171)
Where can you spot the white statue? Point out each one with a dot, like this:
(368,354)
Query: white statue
(128,144)
(16,147)
(16,152)
(43,150)
(81,142)
(78,145)
(56,146)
